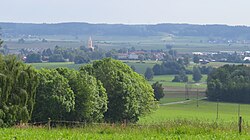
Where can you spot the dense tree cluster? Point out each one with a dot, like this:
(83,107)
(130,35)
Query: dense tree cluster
(229,83)
(171,64)
(77,29)
(181,77)
(59,54)
(129,94)
(18,83)
(106,90)
(168,67)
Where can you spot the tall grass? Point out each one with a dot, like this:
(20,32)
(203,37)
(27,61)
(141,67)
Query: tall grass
(175,129)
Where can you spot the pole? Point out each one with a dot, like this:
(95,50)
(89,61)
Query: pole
(186,91)
(238,110)
(217,116)
(197,98)
(49,121)
(240,124)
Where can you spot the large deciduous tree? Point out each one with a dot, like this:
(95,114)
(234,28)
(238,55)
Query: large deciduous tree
(129,94)
(90,96)
(18,83)
(54,96)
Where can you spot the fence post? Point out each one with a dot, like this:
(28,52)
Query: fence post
(240,124)
(49,121)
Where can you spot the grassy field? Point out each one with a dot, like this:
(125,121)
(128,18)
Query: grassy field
(51,65)
(177,121)
(181,44)
(207,111)
(170,121)
(170,130)
(166,81)
(141,67)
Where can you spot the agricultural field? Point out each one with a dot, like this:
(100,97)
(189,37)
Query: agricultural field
(181,44)
(51,65)
(206,111)
(166,81)
(219,64)
(140,67)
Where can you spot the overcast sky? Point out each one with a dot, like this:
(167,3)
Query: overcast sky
(232,12)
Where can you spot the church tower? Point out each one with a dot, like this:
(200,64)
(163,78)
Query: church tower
(90,44)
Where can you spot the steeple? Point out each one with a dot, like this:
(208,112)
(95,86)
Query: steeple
(90,44)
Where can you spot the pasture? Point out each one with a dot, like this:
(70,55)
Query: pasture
(176,121)
(206,111)
(166,81)
(140,67)
(51,65)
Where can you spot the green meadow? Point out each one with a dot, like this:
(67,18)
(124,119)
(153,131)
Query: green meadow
(51,65)
(176,121)
(176,117)
(166,81)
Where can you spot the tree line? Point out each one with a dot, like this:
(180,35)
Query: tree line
(105,90)
(230,83)
(78,29)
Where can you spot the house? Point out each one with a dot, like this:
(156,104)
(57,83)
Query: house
(133,56)
(246,58)
(122,56)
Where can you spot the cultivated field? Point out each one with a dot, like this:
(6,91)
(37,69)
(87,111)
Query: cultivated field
(51,65)
(166,81)
(181,44)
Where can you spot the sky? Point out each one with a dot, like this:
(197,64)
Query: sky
(230,12)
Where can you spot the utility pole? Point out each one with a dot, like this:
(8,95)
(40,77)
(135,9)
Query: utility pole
(217,116)
(197,98)
(186,92)
(239,110)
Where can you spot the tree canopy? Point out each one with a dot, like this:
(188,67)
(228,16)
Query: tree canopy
(196,74)
(90,96)
(18,83)
(158,90)
(106,90)
(129,94)
(54,96)
(149,74)
(229,83)
(33,58)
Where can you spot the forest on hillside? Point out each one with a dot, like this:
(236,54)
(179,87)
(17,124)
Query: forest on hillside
(223,31)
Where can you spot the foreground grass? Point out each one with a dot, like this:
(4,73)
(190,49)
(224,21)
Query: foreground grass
(178,129)
(177,121)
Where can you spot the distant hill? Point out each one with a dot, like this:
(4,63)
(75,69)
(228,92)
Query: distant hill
(223,31)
